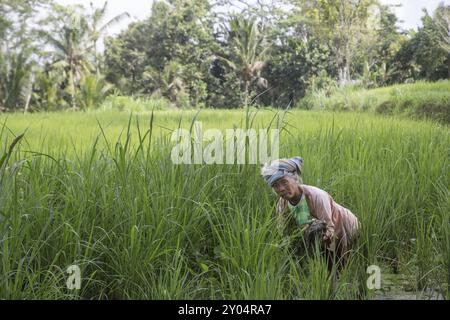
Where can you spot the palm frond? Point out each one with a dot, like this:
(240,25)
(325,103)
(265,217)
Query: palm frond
(117,19)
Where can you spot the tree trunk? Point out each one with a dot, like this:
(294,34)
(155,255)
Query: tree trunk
(246,104)
(246,93)
(97,67)
(344,75)
(72,90)
(27,102)
(30,92)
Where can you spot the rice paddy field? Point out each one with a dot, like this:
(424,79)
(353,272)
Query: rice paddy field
(99,190)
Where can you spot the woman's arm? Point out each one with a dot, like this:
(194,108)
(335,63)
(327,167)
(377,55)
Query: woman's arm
(322,211)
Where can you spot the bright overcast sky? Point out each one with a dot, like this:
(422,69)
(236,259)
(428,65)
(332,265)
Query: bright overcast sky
(410,12)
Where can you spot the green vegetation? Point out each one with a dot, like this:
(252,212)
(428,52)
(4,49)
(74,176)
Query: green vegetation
(105,196)
(86,176)
(192,55)
(417,100)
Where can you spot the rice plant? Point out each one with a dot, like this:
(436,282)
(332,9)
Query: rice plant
(99,190)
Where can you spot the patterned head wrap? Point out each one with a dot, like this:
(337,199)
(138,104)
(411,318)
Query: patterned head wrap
(280,168)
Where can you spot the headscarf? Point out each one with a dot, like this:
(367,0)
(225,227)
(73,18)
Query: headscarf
(280,168)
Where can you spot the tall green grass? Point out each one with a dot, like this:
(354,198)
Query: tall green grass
(99,190)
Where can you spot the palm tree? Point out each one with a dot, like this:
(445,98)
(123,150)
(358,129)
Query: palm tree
(75,44)
(249,53)
(97,28)
(71,51)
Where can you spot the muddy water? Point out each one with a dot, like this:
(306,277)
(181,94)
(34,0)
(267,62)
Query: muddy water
(400,287)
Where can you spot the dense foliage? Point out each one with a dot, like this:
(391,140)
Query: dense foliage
(193,53)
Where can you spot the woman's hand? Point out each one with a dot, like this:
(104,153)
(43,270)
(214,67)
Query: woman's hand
(326,240)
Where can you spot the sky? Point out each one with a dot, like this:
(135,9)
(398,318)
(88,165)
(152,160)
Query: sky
(409,13)
(411,10)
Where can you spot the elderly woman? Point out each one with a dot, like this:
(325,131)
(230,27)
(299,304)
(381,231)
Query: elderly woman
(312,209)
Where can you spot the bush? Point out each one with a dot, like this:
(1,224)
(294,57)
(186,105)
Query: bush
(387,107)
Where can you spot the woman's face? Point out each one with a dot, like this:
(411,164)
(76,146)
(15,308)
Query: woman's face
(286,187)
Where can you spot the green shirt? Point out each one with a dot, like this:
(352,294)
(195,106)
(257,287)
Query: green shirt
(301,211)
